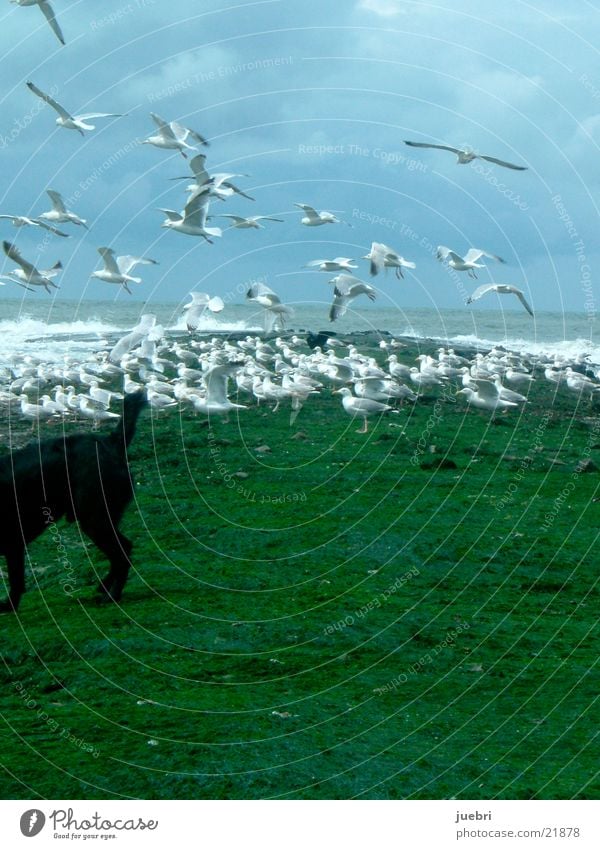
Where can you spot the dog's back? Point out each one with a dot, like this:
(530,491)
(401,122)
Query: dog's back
(84,477)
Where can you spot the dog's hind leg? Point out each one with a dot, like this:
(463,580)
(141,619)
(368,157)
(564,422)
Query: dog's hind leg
(15,561)
(117,548)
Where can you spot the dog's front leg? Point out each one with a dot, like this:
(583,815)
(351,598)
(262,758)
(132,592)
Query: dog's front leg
(15,561)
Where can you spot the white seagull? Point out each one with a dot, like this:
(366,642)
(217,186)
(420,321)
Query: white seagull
(116,269)
(500,289)
(192,220)
(346,288)
(275,312)
(200,302)
(23,221)
(28,275)
(362,408)
(133,338)
(251,222)
(65,119)
(59,212)
(218,185)
(48,13)
(486,396)
(215,401)
(314,218)
(173,136)
(381,256)
(464,155)
(339,263)
(468,262)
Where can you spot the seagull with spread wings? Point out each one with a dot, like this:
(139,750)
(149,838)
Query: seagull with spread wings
(59,212)
(312,218)
(48,13)
(65,119)
(116,269)
(251,222)
(381,256)
(217,185)
(24,221)
(192,220)
(275,311)
(346,287)
(28,275)
(173,136)
(500,289)
(468,262)
(201,301)
(464,155)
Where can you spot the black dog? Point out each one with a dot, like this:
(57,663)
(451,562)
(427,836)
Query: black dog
(84,477)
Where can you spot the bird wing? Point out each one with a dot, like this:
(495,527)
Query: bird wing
(88,115)
(310,210)
(521,297)
(216,382)
(443,252)
(265,218)
(196,136)
(480,291)
(13,253)
(262,290)
(179,131)
(165,129)
(198,169)
(41,223)
(237,218)
(473,254)
(487,389)
(172,215)
(110,264)
(503,163)
(196,210)
(50,101)
(57,201)
(377,257)
(126,263)
(48,13)
(339,305)
(436,146)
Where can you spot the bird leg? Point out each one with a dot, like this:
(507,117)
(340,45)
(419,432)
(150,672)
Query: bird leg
(364,428)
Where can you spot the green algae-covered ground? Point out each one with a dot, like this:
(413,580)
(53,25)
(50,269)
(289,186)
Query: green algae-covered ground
(315,613)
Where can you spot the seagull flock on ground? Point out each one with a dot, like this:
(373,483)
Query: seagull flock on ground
(285,370)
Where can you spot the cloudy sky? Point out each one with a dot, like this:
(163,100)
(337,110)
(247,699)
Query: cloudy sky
(312,99)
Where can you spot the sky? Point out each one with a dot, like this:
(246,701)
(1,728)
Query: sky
(311,101)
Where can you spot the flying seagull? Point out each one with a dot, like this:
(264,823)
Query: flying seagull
(28,275)
(251,222)
(23,221)
(312,218)
(380,256)
(468,262)
(173,136)
(339,263)
(500,289)
(464,155)
(65,119)
(219,185)
(201,301)
(192,220)
(275,311)
(116,269)
(59,212)
(48,13)
(346,288)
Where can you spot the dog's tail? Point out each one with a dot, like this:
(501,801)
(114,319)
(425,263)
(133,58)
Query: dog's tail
(132,407)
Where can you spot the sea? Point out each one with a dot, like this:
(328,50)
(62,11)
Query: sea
(52,330)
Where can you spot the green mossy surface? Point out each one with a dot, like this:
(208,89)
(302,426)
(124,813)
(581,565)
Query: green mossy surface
(410,613)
